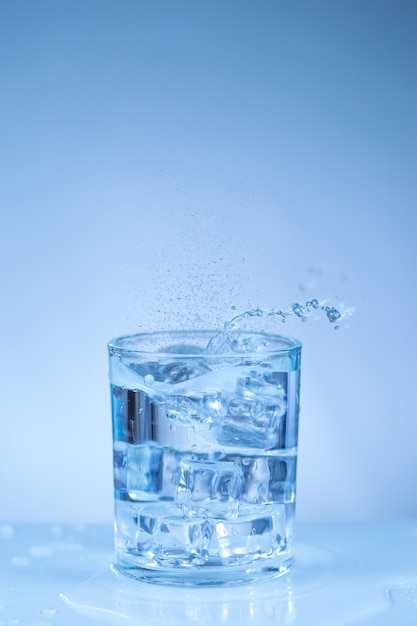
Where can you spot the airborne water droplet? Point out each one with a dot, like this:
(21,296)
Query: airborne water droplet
(6,531)
(332,314)
(21,561)
(49,612)
(298,309)
(41,551)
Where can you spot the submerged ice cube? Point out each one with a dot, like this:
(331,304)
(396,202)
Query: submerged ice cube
(144,471)
(267,479)
(146,520)
(209,488)
(119,465)
(178,540)
(281,486)
(164,535)
(256,411)
(258,532)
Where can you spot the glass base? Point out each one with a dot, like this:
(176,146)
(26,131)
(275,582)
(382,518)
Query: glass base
(206,575)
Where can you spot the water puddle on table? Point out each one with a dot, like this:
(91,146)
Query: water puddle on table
(323,589)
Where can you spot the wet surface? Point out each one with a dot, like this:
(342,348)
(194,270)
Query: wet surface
(345,575)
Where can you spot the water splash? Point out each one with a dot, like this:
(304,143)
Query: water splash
(222,340)
(405,595)
(302,311)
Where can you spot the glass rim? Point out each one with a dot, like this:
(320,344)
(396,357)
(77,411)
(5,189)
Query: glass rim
(118,345)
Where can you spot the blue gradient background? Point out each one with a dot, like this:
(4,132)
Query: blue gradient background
(163,161)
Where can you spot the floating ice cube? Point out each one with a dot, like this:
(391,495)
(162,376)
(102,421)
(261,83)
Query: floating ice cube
(144,471)
(255,343)
(179,371)
(267,386)
(209,488)
(125,377)
(203,401)
(255,411)
(259,533)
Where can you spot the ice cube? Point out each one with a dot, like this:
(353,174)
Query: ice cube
(266,479)
(144,471)
(209,488)
(232,434)
(147,519)
(257,533)
(255,411)
(126,516)
(119,465)
(180,541)
(124,376)
(176,372)
(243,343)
(255,477)
(281,486)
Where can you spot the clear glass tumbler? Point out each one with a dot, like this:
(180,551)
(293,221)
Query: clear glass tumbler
(205,432)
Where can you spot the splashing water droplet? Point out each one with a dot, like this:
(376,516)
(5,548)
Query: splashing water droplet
(41,551)
(56,530)
(49,612)
(6,531)
(298,310)
(403,593)
(332,313)
(224,342)
(21,561)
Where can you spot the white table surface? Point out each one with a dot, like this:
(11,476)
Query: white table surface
(346,575)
